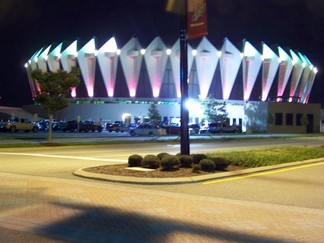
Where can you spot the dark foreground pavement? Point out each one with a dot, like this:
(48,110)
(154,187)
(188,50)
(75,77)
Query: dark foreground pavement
(41,209)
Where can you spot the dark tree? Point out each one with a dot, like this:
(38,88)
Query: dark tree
(54,87)
(154,114)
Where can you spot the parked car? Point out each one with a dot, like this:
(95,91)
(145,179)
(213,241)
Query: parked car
(194,127)
(87,126)
(58,126)
(82,126)
(70,126)
(175,129)
(117,127)
(220,127)
(147,130)
(43,125)
(2,128)
(20,124)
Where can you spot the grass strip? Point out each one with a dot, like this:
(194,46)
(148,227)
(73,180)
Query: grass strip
(270,156)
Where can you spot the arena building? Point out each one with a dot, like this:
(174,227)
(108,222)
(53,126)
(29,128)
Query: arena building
(121,83)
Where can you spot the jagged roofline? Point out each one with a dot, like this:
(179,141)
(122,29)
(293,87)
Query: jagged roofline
(295,67)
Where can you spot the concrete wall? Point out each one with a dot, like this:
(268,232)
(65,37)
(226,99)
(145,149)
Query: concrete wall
(295,109)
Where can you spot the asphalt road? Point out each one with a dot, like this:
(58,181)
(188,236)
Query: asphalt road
(295,187)
(300,187)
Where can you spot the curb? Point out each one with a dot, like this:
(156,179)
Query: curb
(184,180)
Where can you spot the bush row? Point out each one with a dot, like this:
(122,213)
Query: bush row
(169,162)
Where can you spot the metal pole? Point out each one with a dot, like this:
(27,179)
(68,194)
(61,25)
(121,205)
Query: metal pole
(185,147)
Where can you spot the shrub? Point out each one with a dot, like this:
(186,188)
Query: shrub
(207,165)
(196,168)
(186,161)
(135,160)
(220,163)
(162,155)
(197,157)
(151,161)
(170,162)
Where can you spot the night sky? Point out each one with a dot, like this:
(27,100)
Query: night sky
(28,25)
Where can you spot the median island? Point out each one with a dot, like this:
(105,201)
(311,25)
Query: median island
(164,165)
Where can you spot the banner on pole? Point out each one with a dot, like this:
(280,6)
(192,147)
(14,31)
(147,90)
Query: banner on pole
(197,19)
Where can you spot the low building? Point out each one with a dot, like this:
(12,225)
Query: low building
(253,116)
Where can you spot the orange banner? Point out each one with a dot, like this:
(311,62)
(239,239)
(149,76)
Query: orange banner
(197,19)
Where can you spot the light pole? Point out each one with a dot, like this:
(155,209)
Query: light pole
(184,114)
(194,27)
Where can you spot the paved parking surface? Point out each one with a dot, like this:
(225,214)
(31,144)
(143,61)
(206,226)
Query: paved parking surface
(41,209)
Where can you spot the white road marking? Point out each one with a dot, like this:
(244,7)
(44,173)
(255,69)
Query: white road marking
(64,157)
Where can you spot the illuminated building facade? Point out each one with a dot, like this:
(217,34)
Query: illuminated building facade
(131,72)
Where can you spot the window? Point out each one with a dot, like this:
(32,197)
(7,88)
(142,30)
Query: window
(278,119)
(299,119)
(289,119)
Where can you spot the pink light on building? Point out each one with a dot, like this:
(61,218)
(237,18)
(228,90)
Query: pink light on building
(42,58)
(178,94)
(156,92)
(311,82)
(246,64)
(131,60)
(108,59)
(269,69)
(38,88)
(110,92)
(90,91)
(156,59)
(87,62)
(53,59)
(175,63)
(73,92)
(32,65)
(230,62)
(252,62)
(132,92)
(296,73)
(68,60)
(285,68)
(206,62)
(307,79)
